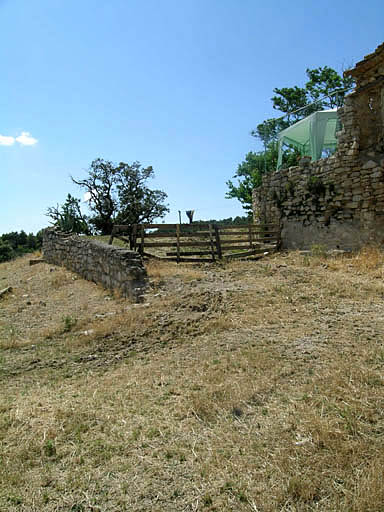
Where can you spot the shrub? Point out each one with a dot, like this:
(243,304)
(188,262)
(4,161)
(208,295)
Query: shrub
(6,251)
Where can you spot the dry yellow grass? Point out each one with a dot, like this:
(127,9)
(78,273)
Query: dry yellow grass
(159,270)
(249,386)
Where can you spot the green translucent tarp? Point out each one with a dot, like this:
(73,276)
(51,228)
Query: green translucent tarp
(311,136)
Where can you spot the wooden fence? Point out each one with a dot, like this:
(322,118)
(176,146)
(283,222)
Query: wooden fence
(198,242)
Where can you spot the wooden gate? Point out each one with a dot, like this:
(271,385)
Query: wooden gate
(198,242)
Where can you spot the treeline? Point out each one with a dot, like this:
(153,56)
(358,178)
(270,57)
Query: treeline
(230,221)
(16,244)
(239,220)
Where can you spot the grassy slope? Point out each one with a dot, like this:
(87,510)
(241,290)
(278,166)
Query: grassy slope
(251,386)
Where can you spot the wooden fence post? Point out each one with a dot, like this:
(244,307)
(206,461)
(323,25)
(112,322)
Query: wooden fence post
(278,238)
(211,242)
(178,242)
(112,236)
(133,237)
(142,240)
(218,242)
(250,236)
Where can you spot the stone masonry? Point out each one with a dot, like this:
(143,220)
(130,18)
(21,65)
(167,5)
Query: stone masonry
(113,267)
(336,201)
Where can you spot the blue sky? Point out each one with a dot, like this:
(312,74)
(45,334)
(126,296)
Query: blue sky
(176,84)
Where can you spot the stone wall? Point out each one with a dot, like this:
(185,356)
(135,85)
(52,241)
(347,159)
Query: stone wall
(337,201)
(113,267)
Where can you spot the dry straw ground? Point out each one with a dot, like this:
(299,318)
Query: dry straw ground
(250,386)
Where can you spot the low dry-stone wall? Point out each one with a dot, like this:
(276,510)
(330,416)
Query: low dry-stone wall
(112,267)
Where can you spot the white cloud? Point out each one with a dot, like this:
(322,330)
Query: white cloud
(87,197)
(25,139)
(6,141)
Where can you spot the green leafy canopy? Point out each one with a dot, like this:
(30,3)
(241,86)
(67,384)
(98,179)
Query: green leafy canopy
(324,89)
(115,193)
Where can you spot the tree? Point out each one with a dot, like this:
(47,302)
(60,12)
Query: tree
(325,88)
(249,174)
(16,244)
(137,202)
(69,217)
(268,130)
(100,188)
(291,101)
(118,193)
(6,251)
(11,238)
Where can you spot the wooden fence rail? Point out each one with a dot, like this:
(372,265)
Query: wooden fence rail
(198,242)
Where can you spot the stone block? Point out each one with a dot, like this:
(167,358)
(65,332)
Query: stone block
(370,164)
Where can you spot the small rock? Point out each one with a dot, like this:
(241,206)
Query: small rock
(303,441)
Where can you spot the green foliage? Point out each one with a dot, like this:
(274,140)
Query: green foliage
(230,221)
(119,193)
(6,251)
(136,201)
(69,217)
(318,250)
(290,99)
(324,89)
(15,244)
(315,186)
(321,91)
(49,448)
(100,187)
(249,174)
(68,323)
(290,188)
(268,130)
(251,170)
(324,86)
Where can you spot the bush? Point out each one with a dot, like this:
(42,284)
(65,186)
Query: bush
(16,244)
(6,251)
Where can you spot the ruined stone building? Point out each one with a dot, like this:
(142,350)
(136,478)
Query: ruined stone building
(336,201)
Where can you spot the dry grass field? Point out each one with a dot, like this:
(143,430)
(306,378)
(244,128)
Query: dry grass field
(246,386)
